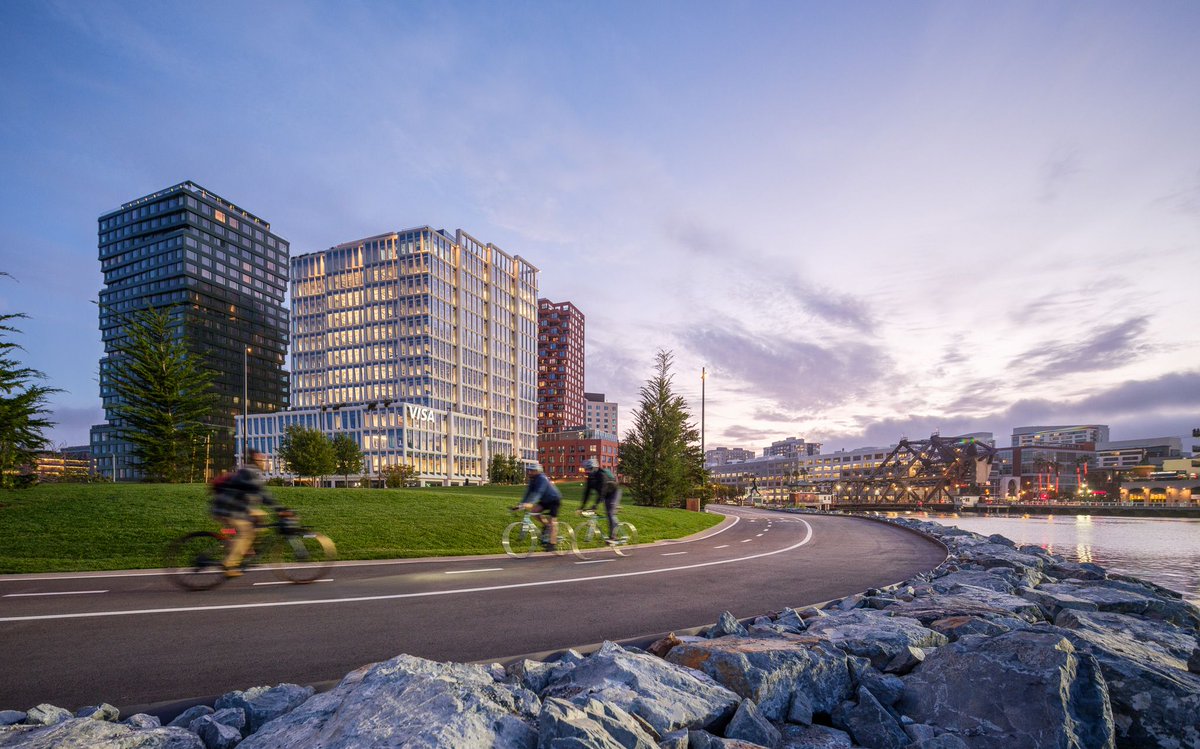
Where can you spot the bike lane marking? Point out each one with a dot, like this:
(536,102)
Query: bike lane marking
(289,582)
(467,572)
(427,594)
(57,593)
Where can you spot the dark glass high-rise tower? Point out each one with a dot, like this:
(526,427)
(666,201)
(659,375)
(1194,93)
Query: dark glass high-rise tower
(223,275)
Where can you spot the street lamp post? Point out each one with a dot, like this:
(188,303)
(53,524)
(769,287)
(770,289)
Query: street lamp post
(703,377)
(245,401)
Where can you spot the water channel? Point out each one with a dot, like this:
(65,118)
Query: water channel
(1163,550)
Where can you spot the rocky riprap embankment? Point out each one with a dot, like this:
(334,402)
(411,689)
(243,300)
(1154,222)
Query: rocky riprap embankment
(1000,646)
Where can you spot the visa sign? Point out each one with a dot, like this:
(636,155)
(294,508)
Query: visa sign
(418,413)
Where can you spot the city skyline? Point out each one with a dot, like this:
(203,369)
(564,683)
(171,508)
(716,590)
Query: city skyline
(866,222)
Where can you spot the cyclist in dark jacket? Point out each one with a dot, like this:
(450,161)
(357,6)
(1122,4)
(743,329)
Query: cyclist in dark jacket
(237,504)
(605,485)
(542,496)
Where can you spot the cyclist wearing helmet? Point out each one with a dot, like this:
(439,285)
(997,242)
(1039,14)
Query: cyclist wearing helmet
(237,503)
(542,496)
(601,481)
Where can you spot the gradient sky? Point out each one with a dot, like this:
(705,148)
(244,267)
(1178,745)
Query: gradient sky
(868,220)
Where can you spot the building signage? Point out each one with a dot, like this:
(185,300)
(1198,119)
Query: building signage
(418,413)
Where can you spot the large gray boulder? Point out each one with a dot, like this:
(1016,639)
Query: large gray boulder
(969,601)
(769,670)
(264,704)
(85,733)
(1121,597)
(814,737)
(1155,700)
(666,696)
(47,715)
(592,724)
(976,578)
(748,724)
(876,635)
(409,702)
(1016,690)
(869,723)
(959,626)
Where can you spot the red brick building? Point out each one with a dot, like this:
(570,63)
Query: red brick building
(560,367)
(562,453)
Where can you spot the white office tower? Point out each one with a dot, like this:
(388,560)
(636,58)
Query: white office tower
(420,344)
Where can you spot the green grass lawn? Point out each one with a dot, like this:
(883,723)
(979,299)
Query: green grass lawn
(78,527)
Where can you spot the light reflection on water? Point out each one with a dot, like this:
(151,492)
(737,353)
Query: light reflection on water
(1164,551)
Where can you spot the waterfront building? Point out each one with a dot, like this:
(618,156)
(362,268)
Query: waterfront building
(560,367)
(776,477)
(719,456)
(601,415)
(1042,472)
(419,344)
(222,273)
(1123,455)
(562,453)
(792,446)
(1059,435)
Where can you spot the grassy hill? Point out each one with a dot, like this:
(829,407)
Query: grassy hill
(77,527)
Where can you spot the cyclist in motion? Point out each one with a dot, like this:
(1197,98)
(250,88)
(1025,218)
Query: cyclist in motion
(237,503)
(604,484)
(542,496)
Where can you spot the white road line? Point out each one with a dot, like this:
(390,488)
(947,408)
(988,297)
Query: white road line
(289,582)
(58,593)
(595,561)
(722,546)
(674,553)
(428,594)
(747,540)
(467,572)
(759,536)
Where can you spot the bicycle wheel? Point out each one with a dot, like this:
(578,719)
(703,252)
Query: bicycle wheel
(566,541)
(588,535)
(302,557)
(195,560)
(519,540)
(626,537)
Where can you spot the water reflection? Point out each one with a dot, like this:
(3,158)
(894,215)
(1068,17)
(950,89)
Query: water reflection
(1164,551)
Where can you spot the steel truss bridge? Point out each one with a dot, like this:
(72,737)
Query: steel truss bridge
(935,471)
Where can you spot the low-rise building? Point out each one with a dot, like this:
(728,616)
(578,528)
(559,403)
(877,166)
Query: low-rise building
(562,453)
(719,456)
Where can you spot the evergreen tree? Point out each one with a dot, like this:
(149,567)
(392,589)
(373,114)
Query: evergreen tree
(165,396)
(22,408)
(661,456)
(505,469)
(347,456)
(307,452)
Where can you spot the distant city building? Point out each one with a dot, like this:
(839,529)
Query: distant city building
(562,453)
(222,274)
(560,367)
(421,345)
(719,456)
(1041,471)
(601,415)
(66,463)
(1059,435)
(792,446)
(1127,454)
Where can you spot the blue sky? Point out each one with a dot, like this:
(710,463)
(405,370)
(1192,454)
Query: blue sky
(867,220)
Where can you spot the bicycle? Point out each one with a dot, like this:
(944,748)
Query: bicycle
(522,537)
(590,536)
(296,553)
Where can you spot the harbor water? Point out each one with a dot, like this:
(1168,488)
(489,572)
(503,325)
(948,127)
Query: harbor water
(1163,550)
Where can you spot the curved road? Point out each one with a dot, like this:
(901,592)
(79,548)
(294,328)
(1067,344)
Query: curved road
(133,639)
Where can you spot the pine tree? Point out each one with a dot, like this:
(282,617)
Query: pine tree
(165,396)
(22,405)
(660,456)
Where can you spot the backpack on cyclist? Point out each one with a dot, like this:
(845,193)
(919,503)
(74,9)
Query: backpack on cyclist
(608,484)
(223,500)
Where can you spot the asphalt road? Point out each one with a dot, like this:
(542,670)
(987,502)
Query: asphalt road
(133,639)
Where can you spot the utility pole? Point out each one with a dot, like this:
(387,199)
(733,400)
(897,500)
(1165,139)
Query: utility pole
(703,378)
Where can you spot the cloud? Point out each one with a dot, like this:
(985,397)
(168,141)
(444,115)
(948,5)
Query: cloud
(1185,200)
(1107,348)
(1056,172)
(767,282)
(741,433)
(795,375)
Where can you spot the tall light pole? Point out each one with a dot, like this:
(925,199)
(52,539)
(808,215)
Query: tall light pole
(245,401)
(703,377)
